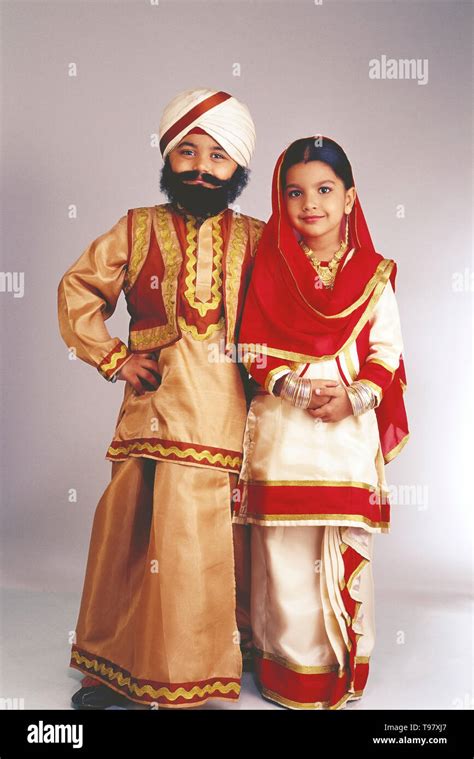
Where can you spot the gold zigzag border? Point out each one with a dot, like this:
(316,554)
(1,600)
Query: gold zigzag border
(190,292)
(197,455)
(120,353)
(163,691)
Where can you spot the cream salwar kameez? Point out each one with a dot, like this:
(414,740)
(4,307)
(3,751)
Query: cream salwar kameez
(315,495)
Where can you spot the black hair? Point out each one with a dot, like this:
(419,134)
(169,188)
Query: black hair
(310,149)
(198,200)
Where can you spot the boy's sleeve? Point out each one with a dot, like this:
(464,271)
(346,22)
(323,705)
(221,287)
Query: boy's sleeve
(87,296)
(385,344)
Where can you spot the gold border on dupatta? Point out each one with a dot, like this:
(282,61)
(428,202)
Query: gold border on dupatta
(384,263)
(395,451)
(302,357)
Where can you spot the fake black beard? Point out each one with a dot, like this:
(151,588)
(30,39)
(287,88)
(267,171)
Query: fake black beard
(198,200)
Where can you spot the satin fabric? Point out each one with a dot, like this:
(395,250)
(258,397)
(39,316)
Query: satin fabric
(157,617)
(284,444)
(200,401)
(299,617)
(218,113)
(314,631)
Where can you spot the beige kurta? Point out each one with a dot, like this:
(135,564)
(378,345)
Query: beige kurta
(160,620)
(198,412)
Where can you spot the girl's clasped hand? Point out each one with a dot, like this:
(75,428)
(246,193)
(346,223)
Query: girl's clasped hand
(329,402)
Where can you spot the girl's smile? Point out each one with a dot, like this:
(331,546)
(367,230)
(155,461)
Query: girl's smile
(311,219)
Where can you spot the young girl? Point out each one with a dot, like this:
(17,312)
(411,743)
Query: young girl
(322,335)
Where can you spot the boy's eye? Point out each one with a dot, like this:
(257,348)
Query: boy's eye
(325,187)
(185,151)
(217,155)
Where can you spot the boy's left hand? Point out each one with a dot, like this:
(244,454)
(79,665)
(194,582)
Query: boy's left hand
(334,410)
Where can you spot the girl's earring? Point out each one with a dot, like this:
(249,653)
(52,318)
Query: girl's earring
(347,230)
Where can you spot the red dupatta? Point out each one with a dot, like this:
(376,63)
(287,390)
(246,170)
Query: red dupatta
(289,316)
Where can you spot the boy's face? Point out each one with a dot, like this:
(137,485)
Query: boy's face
(316,199)
(201,153)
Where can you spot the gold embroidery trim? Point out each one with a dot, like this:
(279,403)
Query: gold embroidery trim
(351,580)
(373,385)
(303,669)
(205,455)
(115,358)
(301,704)
(139,247)
(312,483)
(154,692)
(350,363)
(382,363)
(380,272)
(171,252)
(191,262)
(395,451)
(313,518)
(200,335)
(302,357)
(235,255)
(257,228)
(271,374)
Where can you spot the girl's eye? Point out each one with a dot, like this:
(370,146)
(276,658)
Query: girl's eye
(294,193)
(325,187)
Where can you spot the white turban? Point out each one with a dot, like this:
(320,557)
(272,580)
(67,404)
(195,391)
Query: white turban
(219,114)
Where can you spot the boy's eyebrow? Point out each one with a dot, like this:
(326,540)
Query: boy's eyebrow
(324,181)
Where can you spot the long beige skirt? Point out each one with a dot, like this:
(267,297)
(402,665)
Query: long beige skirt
(157,620)
(312,613)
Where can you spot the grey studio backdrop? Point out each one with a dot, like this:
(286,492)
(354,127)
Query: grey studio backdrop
(87,141)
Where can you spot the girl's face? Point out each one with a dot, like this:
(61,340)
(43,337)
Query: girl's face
(316,199)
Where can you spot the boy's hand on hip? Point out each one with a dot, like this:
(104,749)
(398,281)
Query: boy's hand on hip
(141,371)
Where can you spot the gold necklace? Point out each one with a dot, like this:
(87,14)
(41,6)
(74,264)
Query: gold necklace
(327,274)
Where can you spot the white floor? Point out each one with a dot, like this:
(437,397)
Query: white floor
(422,657)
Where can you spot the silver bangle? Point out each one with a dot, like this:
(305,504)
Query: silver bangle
(297,390)
(362,397)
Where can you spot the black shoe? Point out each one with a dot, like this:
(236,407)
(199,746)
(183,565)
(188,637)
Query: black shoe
(97,697)
(247,660)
